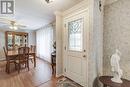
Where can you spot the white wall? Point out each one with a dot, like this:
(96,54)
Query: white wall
(59,32)
(54,31)
(96,42)
(32,38)
(2,43)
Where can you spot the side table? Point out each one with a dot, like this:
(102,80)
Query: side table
(106,81)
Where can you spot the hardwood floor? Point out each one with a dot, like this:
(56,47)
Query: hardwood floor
(41,76)
(51,83)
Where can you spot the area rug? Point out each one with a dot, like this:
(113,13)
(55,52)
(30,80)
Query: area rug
(67,83)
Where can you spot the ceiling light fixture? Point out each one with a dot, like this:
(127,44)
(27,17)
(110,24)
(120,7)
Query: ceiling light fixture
(13,27)
(49,1)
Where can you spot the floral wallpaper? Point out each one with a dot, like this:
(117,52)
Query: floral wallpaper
(117,35)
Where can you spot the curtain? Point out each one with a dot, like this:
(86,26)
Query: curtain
(44,42)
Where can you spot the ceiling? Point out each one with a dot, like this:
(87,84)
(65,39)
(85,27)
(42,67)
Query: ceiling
(37,13)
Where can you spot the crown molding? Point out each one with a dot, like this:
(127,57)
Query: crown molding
(80,6)
(58,13)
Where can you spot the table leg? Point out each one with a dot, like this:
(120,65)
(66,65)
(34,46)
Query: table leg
(34,59)
(104,85)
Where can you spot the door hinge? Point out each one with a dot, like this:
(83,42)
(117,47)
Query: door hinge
(65,69)
(65,47)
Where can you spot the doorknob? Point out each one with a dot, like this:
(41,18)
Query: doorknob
(84,55)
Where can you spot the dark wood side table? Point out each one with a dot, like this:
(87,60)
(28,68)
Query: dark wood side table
(53,62)
(106,80)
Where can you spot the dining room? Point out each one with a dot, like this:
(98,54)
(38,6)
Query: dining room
(27,46)
(19,60)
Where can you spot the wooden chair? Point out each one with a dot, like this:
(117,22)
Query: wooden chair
(9,60)
(32,49)
(23,57)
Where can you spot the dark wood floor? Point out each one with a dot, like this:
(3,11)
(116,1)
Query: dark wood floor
(40,76)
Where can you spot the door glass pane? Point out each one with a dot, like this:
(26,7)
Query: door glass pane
(75,33)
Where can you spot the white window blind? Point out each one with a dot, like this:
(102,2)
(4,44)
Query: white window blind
(44,42)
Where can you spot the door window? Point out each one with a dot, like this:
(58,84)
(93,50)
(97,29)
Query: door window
(75,35)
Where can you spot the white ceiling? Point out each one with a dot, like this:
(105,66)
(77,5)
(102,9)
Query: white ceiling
(37,13)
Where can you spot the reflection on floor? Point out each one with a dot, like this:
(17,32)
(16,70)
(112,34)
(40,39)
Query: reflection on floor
(41,76)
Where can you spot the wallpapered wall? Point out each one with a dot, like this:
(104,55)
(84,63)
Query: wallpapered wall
(117,35)
(32,41)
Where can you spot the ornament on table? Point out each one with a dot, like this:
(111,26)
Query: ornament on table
(117,71)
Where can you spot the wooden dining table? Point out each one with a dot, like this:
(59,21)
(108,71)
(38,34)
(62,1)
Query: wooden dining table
(14,54)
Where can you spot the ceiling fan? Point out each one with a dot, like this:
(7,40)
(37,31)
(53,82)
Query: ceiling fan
(48,1)
(11,23)
(13,26)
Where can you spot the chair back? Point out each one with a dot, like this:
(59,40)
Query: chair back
(5,51)
(23,53)
(33,48)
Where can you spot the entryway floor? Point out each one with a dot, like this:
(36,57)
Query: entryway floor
(33,78)
(40,76)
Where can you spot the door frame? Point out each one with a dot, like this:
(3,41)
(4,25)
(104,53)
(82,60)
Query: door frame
(65,42)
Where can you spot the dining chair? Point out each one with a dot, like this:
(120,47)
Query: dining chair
(32,49)
(23,58)
(9,60)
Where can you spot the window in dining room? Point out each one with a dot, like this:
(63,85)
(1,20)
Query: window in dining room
(44,42)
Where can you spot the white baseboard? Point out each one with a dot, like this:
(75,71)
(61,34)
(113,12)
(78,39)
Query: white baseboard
(59,75)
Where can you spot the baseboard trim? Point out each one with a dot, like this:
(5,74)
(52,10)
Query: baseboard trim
(59,75)
(43,60)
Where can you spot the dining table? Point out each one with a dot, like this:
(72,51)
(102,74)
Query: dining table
(14,54)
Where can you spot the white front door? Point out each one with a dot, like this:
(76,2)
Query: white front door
(76,44)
